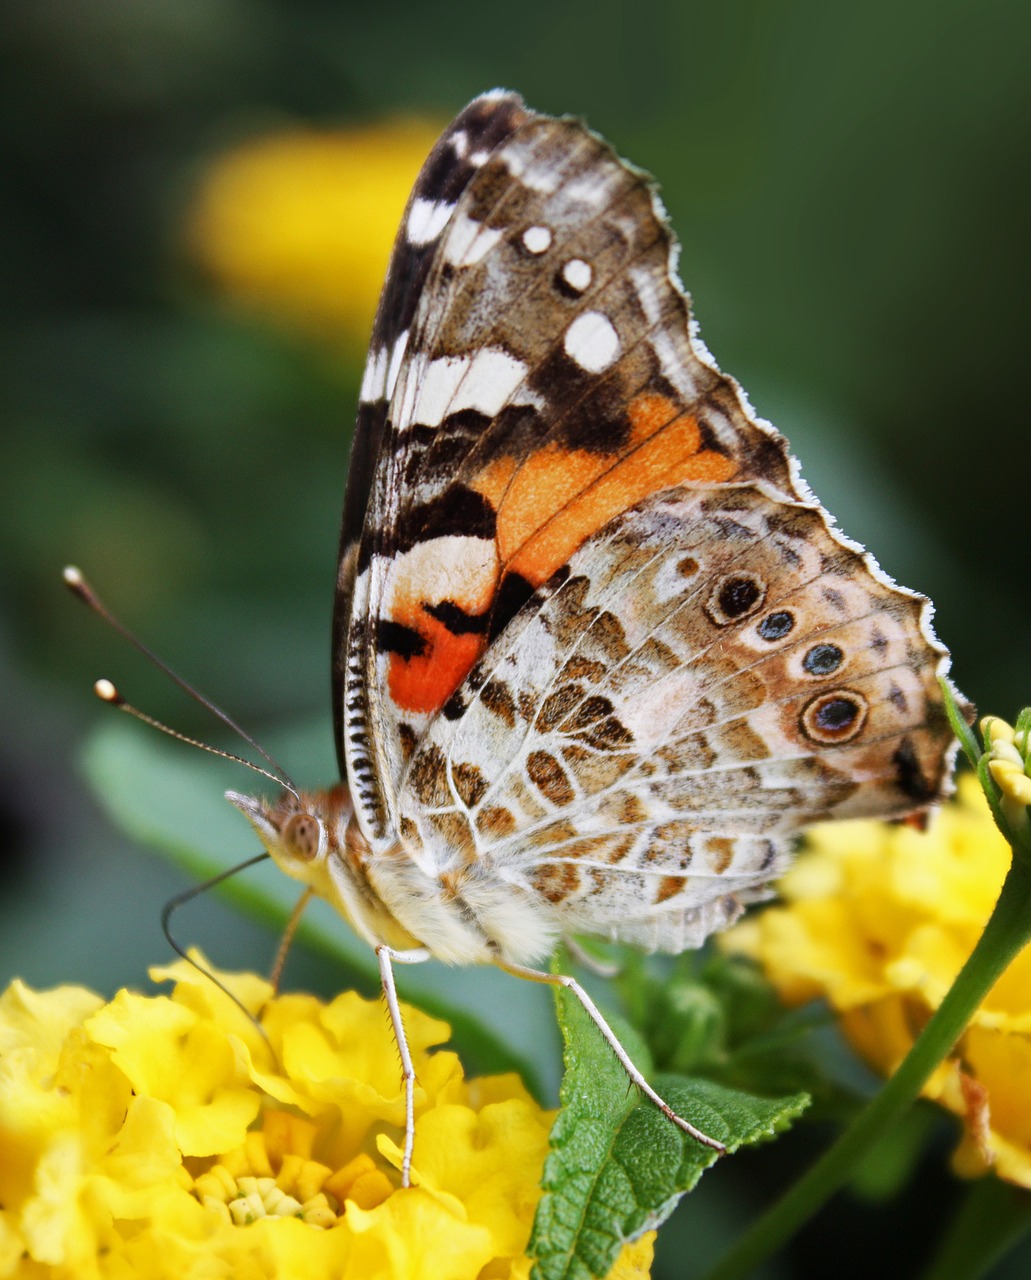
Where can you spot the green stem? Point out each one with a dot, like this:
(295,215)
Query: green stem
(1007,931)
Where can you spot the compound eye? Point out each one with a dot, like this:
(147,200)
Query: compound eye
(303,835)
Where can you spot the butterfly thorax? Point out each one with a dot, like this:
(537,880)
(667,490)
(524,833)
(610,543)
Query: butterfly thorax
(385,894)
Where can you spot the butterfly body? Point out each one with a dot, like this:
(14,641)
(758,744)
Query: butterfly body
(599,654)
(460,915)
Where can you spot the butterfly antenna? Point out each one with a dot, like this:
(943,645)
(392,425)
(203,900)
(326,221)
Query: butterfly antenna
(105,690)
(180,900)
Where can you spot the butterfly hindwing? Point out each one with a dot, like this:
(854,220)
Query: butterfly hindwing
(708,673)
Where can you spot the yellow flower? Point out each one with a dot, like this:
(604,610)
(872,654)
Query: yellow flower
(299,224)
(879,919)
(160,1136)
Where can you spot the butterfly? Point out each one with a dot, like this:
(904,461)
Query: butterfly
(599,654)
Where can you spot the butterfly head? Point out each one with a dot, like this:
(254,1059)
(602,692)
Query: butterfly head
(299,830)
(311,836)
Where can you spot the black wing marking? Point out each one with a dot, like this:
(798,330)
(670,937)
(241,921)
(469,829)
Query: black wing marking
(452,163)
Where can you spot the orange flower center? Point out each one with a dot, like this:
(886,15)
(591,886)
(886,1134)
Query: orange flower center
(273,1175)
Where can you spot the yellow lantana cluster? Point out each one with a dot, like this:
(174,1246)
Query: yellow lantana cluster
(879,919)
(299,224)
(158,1136)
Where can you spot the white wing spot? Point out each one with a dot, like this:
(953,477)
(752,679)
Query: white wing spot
(448,567)
(468,241)
(434,389)
(493,376)
(592,341)
(577,274)
(593,187)
(479,158)
(537,239)
(460,143)
(427,219)
(647,293)
(374,379)
(394,368)
(681,371)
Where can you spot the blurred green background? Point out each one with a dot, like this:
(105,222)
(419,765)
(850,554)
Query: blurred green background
(851,187)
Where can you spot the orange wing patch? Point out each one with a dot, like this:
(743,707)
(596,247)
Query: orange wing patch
(426,584)
(559,498)
(547,506)
(424,682)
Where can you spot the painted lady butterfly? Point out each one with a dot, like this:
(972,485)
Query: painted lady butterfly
(599,654)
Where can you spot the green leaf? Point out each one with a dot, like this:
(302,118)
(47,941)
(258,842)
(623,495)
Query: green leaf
(717,1016)
(617,1166)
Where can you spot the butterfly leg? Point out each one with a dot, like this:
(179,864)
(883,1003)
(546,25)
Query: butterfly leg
(386,976)
(288,938)
(595,1014)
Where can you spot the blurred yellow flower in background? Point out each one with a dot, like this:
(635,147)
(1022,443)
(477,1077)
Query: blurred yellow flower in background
(299,224)
(164,1136)
(879,920)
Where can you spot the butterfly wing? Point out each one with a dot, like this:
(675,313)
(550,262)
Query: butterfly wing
(532,376)
(603,649)
(710,672)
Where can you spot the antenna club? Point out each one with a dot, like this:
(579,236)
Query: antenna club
(78,586)
(106,692)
